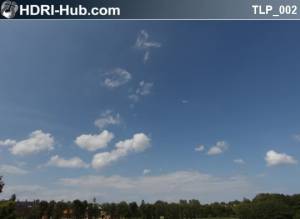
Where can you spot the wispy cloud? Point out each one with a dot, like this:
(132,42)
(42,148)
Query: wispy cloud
(94,142)
(239,161)
(274,158)
(146,171)
(296,137)
(144,89)
(200,148)
(12,170)
(170,186)
(116,78)
(107,118)
(143,43)
(138,143)
(219,148)
(74,162)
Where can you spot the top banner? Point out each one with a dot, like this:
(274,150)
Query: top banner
(151,9)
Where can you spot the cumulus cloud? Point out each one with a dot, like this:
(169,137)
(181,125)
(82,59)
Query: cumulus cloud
(239,161)
(94,142)
(274,158)
(116,78)
(144,88)
(219,148)
(169,186)
(11,170)
(38,141)
(143,43)
(107,118)
(138,143)
(74,162)
(200,148)
(7,142)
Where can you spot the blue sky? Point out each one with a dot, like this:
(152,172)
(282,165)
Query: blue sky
(132,110)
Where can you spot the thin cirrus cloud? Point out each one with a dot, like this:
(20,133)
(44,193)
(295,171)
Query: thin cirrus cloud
(274,158)
(146,171)
(144,89)
(219,148)
(94,142)
(107,118)
(74,162)
(116,78)
(36,142)
(138,143)
(168,186)
(12,170)
(143,43)
(297,137)
(239,161)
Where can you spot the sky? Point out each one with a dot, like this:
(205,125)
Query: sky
(149,110)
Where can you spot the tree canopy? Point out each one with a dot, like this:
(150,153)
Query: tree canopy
(1,184)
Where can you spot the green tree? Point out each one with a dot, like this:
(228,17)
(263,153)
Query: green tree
(123,209)
(1,184)
(78,209)
(297,215)
(7,209)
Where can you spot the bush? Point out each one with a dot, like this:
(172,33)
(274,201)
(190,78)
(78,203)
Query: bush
(7,209)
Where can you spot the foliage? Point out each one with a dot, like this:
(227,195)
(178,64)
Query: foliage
(1,184)
(7,209)
(263,206)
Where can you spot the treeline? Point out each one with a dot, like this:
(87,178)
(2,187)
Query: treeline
(56,210)
(263,206)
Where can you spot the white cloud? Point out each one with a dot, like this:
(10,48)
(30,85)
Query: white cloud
(184,101)
(146,171)
(274,158)
(143,43)
(107,118)
(116,78)
(239,161)
(138,143)
(74,162)
(200,148)
(94,142)
(144,89)
(134,97)
(38,141)
(146,56)
(219,148)
(7,142)
(297,137)
(11,170)
(169,186)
